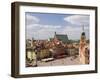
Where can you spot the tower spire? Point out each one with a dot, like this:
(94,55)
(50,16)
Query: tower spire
(83,28)
(55,33)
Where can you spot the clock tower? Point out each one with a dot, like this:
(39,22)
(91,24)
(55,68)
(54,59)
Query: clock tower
(82,47)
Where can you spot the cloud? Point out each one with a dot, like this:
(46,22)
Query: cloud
(43,26)
(44,34)
(74,32)
(37,30)
(31,19)
(41,31)
(51,26)
(45,31)
(78,19)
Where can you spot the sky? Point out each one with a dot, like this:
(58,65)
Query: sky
(43,25)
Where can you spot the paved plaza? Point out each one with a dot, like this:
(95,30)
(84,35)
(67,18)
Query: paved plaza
(73,60)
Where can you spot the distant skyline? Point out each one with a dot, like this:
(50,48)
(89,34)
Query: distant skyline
(44,25)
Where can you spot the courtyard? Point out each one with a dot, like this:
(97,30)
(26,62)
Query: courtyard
(72,60)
